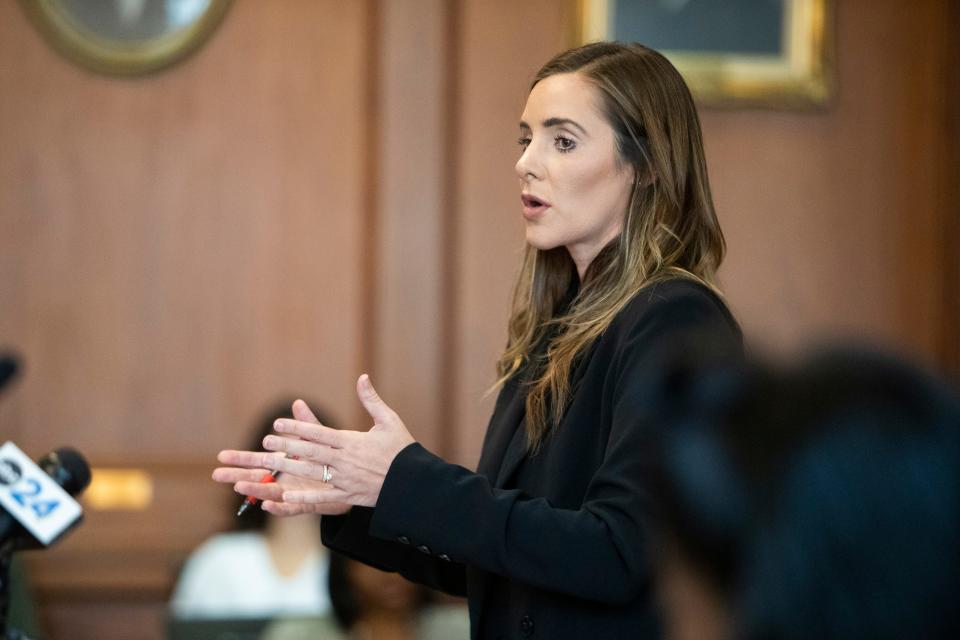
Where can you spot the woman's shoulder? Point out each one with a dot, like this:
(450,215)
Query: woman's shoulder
(678,300)
(670,315)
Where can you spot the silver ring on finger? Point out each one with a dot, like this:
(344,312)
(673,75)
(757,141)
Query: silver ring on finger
(327,475)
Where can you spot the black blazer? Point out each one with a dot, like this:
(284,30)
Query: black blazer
(553,545)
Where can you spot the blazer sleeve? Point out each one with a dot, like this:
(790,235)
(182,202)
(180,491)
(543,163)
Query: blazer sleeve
(349,534)
(597,552)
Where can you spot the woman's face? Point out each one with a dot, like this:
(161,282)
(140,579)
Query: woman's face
(574,191)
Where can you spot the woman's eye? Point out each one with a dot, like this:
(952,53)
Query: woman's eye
(564,144)
(523,142)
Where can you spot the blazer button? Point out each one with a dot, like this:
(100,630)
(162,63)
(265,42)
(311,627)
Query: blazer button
(526,626)
(424,549)
(403,540)
(444,557)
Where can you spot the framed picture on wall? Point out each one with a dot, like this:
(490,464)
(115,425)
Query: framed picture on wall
(126,37)
(737,52)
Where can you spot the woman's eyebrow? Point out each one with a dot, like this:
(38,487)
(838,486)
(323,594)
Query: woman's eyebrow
(555,122)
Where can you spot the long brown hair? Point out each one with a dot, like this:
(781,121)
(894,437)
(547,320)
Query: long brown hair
(670,228)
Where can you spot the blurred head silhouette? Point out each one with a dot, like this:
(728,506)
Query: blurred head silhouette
(821,501)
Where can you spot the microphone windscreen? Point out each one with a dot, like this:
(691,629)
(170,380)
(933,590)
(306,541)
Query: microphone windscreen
(68,468)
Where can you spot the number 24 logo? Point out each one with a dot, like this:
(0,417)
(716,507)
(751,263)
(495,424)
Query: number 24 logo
(28,498)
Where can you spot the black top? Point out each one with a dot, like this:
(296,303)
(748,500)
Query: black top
(552,545)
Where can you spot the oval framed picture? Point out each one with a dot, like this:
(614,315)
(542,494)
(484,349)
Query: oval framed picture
(126,37)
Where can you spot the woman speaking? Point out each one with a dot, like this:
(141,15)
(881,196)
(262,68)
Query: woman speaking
(548,537)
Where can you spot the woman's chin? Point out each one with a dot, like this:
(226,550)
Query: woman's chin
(537,239)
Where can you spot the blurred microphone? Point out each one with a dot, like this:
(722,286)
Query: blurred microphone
(36,500)
(9,366)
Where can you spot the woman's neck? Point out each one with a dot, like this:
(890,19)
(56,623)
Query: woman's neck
(291,541)
(584,253)
(582,262)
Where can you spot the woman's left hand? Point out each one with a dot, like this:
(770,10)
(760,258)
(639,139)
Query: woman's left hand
(356,461)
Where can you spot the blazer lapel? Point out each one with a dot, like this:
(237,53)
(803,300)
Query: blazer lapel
(516,452)
(517,449)
(503,424)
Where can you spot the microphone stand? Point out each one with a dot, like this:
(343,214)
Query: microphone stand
(6,557)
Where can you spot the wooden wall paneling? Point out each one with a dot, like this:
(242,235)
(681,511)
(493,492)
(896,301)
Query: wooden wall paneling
(943,236)
(411,212)
(177,251)
(923,153)
(450,355)
(951,234)
(370,259)
(812,202)
(120,619)
(188,242)
(502,45)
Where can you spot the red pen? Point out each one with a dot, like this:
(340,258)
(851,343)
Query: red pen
(250,501)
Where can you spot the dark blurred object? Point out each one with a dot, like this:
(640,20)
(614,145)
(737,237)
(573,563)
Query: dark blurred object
(68,468)
(22,614)
(821,501)
(9,367)
(216,629)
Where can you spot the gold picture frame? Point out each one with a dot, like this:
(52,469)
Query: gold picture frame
(799,76)
(104,54)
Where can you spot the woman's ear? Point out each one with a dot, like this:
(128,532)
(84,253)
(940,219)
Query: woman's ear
(639,177)
(646,177)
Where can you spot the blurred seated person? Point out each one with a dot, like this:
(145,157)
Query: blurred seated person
(369,604)
(266,567)
(821,501)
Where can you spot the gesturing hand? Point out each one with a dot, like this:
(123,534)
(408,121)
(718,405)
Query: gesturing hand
(332,467)
(249,468)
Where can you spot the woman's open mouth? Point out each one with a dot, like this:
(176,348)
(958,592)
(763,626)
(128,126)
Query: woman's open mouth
(533,206)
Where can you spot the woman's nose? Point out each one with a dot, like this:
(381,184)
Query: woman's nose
(526,166)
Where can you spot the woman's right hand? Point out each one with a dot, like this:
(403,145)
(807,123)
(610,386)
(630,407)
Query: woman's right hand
(246,470)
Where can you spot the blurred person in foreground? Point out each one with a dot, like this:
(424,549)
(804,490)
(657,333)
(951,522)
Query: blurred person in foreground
(369,604)
(818,501)
(547,537)
(266,567)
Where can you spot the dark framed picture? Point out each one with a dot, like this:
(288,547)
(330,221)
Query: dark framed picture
(736,52)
